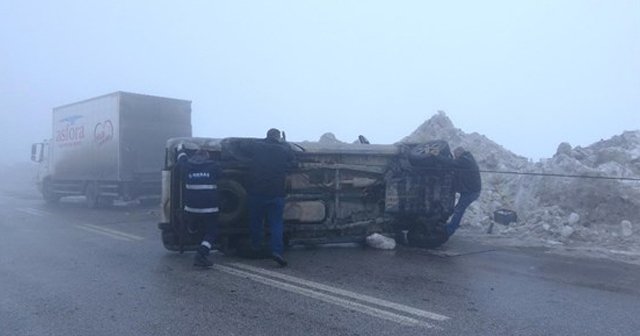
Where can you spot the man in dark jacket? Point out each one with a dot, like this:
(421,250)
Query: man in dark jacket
(468,184)
(200,209)
(271,158)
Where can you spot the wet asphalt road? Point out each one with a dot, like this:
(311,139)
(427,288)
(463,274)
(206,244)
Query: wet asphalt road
(68,270)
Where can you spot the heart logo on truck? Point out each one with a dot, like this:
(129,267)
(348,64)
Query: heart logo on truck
(103,132)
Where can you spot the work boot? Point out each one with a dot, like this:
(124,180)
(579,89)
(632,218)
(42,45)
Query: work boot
(279,259)
(201,259)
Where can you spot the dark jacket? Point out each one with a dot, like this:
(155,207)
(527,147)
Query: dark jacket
(467,173)
(200,189)
(270,162)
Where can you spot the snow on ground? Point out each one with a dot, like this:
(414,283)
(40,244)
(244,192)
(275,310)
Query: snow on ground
(573,215)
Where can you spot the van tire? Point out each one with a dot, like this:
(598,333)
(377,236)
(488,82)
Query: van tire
(421,156)
(233,201)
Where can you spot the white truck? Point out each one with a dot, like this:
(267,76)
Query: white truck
(109,147)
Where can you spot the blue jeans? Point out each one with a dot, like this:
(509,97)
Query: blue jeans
(458,211)
(271,209)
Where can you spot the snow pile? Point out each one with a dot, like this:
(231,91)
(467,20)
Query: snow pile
(567,211)
(380,242)
(597,201)
(329,138)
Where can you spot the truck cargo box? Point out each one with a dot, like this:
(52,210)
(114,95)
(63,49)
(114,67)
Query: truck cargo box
(115,137)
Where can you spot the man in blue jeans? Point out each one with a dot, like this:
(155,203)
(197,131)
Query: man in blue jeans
(468,184)
(271,159)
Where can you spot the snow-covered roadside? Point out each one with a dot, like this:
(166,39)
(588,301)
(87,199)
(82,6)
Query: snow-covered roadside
(627,253)
(569,215)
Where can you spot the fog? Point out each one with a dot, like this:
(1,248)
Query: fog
(528,75)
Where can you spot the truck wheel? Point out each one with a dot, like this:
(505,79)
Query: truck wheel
(48,194)
(91,193)
(233,201)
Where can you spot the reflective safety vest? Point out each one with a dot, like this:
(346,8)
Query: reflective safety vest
(200,189)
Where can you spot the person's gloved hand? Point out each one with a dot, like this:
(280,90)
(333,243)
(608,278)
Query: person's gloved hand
(180,152)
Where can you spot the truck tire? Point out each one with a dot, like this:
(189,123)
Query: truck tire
(49,196)
(91,194)
(233,201)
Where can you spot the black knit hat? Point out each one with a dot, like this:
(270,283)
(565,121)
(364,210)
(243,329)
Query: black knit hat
(273,133)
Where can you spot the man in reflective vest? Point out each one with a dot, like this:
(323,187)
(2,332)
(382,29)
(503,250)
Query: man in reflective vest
(200,199)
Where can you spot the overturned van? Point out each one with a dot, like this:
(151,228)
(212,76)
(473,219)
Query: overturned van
(338,193)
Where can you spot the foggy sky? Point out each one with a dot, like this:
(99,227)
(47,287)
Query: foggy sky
(527,74)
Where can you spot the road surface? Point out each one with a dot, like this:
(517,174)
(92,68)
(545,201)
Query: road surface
(67,270)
